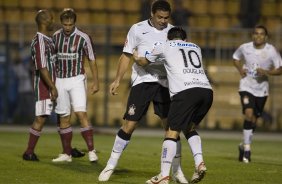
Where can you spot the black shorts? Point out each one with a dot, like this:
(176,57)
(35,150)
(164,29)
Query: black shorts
(188,107)
(140,97)
(250,101)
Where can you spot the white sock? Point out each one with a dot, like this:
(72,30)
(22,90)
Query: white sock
(168,153)
(176,162)
(119,145)
(248,134)
(196,149)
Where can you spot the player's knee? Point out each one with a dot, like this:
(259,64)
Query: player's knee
(129,127)
(189,134)
(249,114)
(64,121)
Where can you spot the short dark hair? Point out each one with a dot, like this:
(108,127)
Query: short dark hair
(176,32)
(41,16)
(68,13)
(262,27)
(162,5)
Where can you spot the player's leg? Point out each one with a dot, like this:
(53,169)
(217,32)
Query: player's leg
(63,110)
(66,134)
(137,105)
(201,100)
(249,120)
(75,153)
(86,131)
(169,148)
(34,134)
(43,109)
(177,173)
(161,107)
(121,141)
(248,106)
(251,114)
(78,98)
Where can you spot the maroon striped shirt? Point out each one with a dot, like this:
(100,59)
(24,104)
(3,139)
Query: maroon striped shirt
(70,51)
(43,56)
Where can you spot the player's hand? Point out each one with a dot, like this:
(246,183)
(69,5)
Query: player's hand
(135,55)
(114,87)
(54,94)
(94,88)
(243,72)
(261,72)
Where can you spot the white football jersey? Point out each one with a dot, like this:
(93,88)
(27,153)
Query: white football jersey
(265,58)
(183,64)
(144,37)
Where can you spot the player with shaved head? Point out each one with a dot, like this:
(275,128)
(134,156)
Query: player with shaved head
(44,75)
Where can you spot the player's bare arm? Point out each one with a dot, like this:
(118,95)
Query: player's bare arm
(123,64)
(95,82)
(141,61)
(47,79)
(239,67)
(275,71)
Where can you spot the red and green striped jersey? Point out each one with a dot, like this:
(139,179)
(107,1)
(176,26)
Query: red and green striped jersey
(70,52)
(43,56)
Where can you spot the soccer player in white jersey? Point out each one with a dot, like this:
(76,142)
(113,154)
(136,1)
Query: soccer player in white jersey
(191,98)
(148,84)
(255,61)
(73,47)
(44,75)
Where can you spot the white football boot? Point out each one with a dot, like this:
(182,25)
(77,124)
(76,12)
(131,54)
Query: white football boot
(159,179)
(62,158)
(92,156)
(199,173)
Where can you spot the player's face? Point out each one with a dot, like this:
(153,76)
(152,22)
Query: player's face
(68,26)
(259,37)
(160,19)
(50,23)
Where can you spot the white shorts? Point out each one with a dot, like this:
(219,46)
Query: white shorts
(71,95)
(43,107)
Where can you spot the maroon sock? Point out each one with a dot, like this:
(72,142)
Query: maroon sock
(66,137)
(87,134)
(33,138)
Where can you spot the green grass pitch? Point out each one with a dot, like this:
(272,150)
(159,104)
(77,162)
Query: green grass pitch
(140,161)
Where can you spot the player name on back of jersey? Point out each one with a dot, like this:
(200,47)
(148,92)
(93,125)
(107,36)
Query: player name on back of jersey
(193,70)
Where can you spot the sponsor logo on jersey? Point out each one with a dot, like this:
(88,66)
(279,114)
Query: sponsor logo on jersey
(197,82)
(67,56)
(177,44)
(131,110)
(73,48)
(53,59)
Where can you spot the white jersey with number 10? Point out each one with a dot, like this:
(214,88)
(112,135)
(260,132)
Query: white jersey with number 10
(183,64)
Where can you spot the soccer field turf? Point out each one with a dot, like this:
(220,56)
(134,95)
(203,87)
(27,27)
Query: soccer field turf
(140,161)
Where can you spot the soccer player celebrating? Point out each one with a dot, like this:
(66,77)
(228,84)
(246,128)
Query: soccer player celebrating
(148,84)
(44,75)
(260,59)
(72,47)
(191,95)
